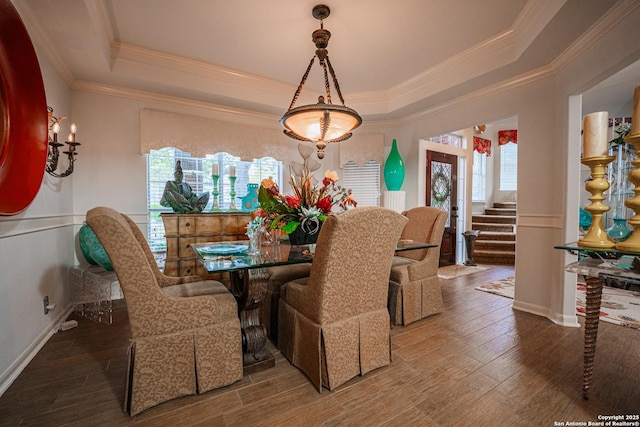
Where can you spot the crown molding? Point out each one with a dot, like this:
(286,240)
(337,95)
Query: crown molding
(609,20)
(103,28)
(198,76)
(229,113)
(42,42)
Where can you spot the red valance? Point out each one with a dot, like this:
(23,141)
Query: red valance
(482,145)
(507,136)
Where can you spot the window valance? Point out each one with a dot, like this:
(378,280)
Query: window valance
(360,149)
(507,136)
(481,145)
(200,136)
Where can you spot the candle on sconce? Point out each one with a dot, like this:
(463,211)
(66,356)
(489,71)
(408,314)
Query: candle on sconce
(215,169)
(56,129)
(232,170)
(72,135)
(635,118)
(594,135)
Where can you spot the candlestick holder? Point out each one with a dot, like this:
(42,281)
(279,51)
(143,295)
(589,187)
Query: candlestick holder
(232,193)
(597,237)
(633,242)
(215,192)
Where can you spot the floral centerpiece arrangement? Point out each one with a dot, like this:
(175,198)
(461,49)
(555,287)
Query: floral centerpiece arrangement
(311,202)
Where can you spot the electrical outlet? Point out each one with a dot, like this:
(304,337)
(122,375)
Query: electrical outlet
(46,305)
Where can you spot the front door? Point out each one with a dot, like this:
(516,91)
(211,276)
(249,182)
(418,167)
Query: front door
(442,176)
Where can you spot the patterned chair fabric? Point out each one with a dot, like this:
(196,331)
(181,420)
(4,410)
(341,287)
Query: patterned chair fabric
(334,325)
(414,288)
(163,280)
(185,337)
(278,276)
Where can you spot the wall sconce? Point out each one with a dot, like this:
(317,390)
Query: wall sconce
(54,145)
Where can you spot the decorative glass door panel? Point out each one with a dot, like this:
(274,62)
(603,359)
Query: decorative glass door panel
(441,193)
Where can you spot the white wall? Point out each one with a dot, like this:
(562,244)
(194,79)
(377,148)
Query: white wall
(37,249)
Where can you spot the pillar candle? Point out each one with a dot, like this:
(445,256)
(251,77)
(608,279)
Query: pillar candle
(635,118)
(594,134)
(232,170)
(214,169)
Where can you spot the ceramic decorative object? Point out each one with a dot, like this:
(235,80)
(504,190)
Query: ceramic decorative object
(250,200)
(394,169)
(305,235)
(92,249)
(619,231)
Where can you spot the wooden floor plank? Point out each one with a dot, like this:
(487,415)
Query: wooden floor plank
(480,362)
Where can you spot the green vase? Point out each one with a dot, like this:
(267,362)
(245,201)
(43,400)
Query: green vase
(394,169)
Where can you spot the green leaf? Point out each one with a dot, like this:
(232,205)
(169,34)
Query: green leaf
(267,201)
(291,226)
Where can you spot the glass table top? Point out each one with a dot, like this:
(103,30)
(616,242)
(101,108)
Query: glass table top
(234,255)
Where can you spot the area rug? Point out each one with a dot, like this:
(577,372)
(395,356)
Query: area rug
(504,287)
(619,306)
(457,270)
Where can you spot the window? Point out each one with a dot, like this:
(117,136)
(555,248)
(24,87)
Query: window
(450,139)
(509,167)
(197,172)
(479,180)
(364,182)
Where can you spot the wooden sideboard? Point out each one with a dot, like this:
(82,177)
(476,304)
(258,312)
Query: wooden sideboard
(183,229)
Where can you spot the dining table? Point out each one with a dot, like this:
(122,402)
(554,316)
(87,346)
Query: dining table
(249,278)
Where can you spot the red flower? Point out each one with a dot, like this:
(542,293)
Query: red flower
(292,201)
(324,204)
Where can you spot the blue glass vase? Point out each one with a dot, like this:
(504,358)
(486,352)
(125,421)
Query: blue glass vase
(394,169)
(619,231)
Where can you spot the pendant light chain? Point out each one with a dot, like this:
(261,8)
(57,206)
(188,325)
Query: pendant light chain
(304,79)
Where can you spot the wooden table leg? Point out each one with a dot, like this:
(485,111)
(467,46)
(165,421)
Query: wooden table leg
(594,300)
(249,287)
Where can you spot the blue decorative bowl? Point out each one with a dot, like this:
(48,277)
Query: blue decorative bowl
(92,249)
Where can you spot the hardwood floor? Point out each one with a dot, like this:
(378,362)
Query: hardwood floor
(479,363)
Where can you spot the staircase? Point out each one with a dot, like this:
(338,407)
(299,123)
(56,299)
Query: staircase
(496,243)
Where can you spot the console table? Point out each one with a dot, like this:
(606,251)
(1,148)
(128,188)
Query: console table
(595,266)
(181,230)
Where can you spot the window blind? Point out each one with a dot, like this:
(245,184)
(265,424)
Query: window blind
(364,182)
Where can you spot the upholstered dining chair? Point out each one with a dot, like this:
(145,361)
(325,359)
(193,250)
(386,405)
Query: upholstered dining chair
(185,338)
(163,280)
(278,276)
(334,325)
(414,288)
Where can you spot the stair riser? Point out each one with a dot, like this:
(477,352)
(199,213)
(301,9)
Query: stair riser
(493,227)
(489,235)
(495,245)
(493,219)
(503,212)
(494,260)
(505,205)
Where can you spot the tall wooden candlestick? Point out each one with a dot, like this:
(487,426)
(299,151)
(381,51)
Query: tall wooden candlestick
(597,237)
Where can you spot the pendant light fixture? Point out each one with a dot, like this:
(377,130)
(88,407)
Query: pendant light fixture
(323,122)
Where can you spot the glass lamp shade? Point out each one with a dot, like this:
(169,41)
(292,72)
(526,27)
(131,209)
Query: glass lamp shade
(306,122)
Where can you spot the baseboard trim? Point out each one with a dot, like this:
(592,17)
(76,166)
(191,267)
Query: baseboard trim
(559,319)
(9,376)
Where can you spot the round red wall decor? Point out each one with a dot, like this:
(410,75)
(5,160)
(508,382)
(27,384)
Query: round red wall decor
(23,115)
